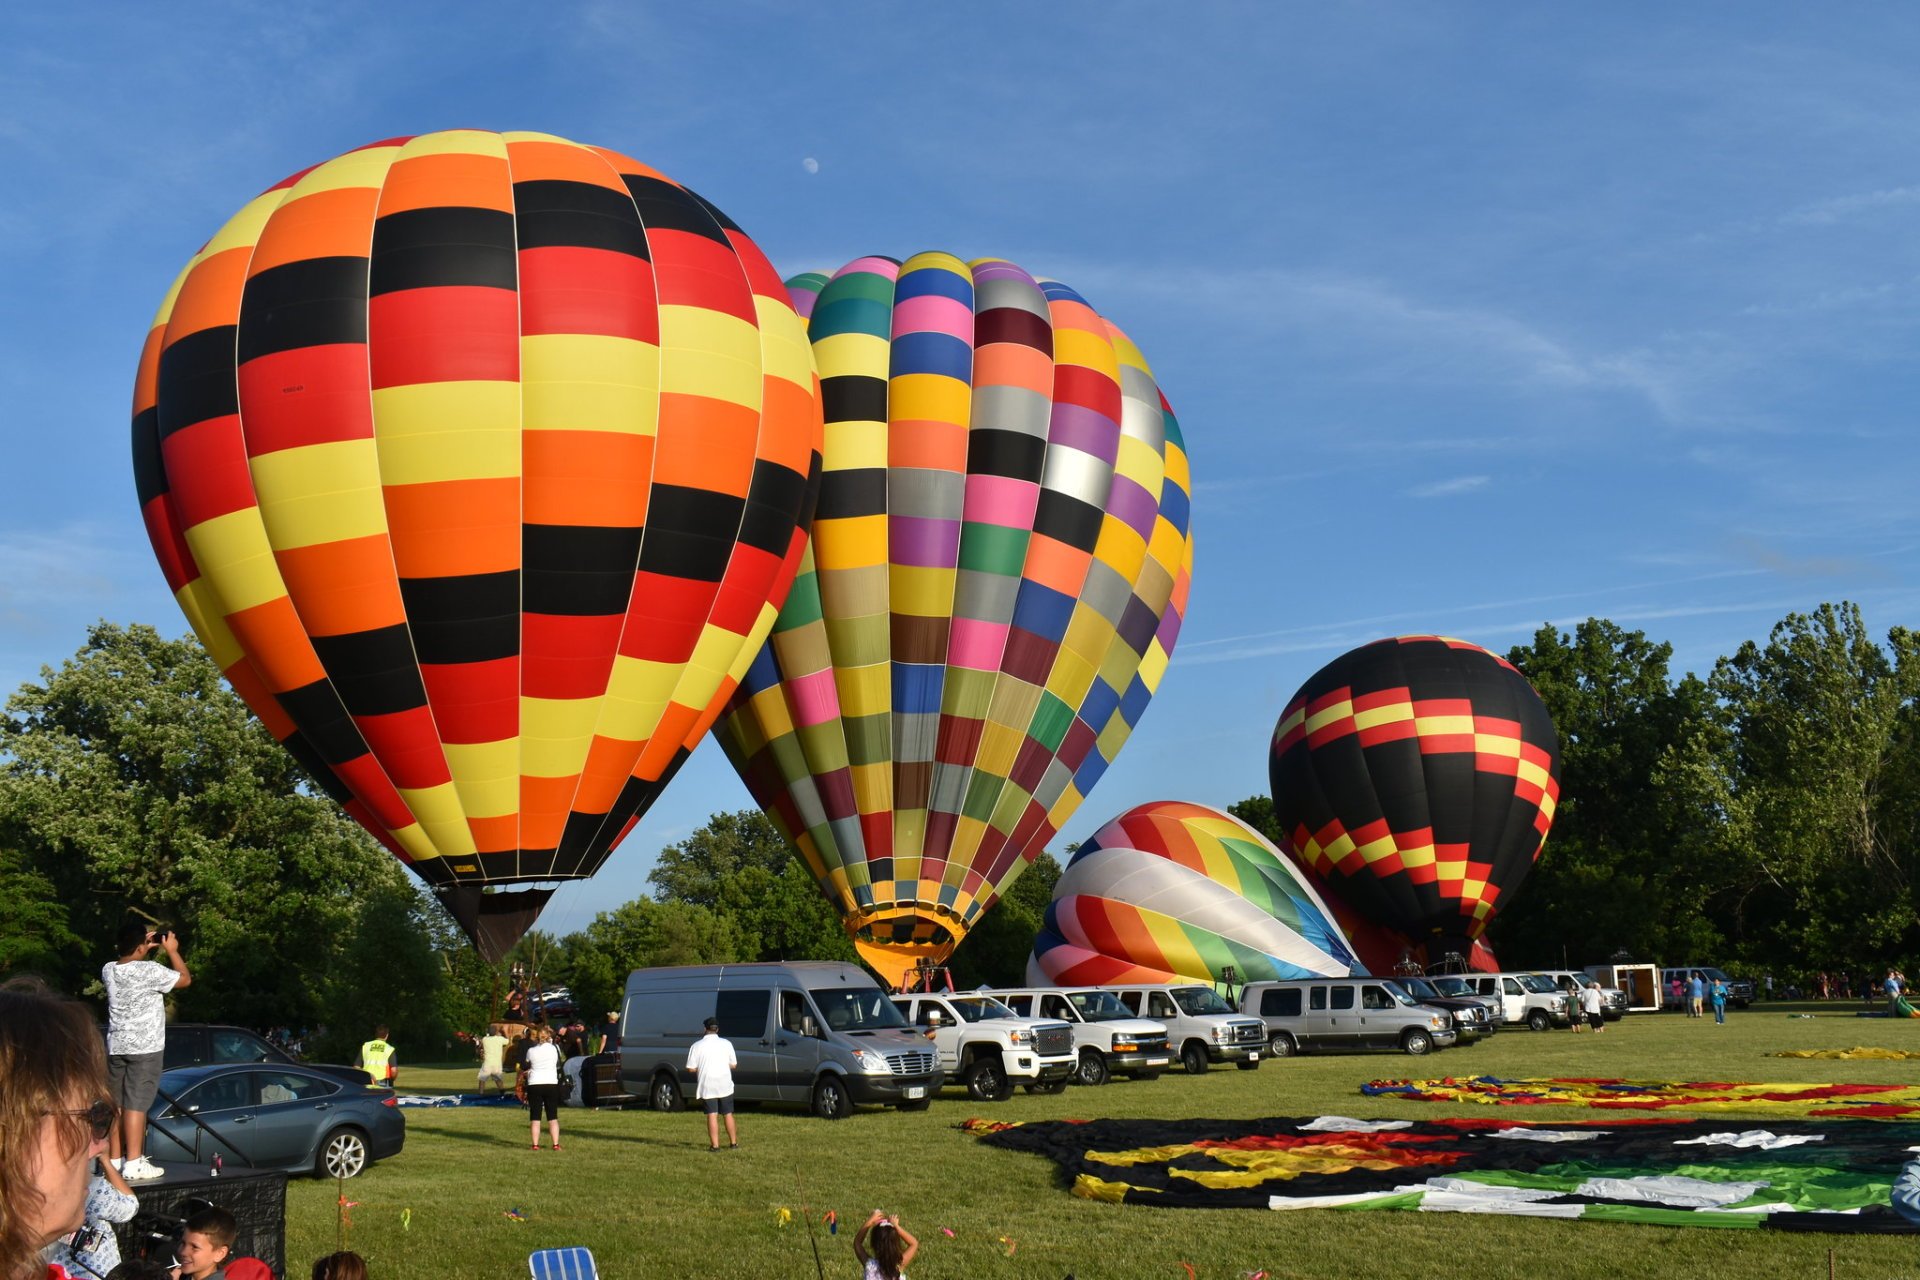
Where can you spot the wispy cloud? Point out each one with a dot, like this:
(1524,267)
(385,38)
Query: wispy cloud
(1450,488)
(1840,208)
(53,574)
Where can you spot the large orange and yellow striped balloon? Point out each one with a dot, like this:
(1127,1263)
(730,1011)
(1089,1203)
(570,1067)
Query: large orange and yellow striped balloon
(482,464)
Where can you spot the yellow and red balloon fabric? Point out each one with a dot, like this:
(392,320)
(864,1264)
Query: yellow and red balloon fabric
(1860,1101)
(999,566)
(481,462)
(1177,892)
(1418,777)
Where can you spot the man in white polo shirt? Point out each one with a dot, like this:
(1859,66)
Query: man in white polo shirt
(711,1062)
(137,1036)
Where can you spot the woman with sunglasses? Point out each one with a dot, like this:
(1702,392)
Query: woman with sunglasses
(54,1122)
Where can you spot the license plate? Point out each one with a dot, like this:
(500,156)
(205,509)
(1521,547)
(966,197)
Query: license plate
(915,1091)
(1253,1057)
(1156,1062)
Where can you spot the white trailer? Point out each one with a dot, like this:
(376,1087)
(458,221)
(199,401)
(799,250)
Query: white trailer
(1641,982)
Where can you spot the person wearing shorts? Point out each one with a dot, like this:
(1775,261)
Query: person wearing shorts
(136,990)
(493,1054)
(543,1086)
(711,1063)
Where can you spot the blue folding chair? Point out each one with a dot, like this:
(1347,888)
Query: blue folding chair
(563,1264)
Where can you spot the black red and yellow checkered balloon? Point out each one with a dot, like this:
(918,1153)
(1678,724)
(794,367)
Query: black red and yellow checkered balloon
(482,464)
(1418,777)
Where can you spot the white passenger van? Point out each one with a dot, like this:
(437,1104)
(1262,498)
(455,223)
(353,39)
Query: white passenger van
(1106,1035)
(817,1034)
(1345,1013)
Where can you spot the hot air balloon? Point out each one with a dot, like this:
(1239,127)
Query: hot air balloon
(481,464)
(999,566)
(1418,776)
(1177,892)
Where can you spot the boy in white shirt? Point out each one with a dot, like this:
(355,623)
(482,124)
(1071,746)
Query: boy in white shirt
(137,1036)
(711,1063)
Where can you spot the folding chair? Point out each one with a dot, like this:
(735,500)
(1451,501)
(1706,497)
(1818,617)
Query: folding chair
(563,1264)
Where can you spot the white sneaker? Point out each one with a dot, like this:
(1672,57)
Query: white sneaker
(140,1169)
(119,1163)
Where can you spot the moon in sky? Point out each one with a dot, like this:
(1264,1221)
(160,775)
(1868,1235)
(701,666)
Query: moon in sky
(810,165)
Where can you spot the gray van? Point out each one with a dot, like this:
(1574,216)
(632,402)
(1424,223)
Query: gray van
(1345,1013)
(817,1034)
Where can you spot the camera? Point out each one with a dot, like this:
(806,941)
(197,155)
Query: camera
(161,934)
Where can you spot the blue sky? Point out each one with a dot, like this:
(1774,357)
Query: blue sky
(1475,317)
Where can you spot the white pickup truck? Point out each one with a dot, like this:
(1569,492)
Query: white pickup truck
(1106,1034)
(989,1048)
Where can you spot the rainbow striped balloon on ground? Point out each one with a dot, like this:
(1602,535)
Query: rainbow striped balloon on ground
(1169,892)
(481,463)
(999,567)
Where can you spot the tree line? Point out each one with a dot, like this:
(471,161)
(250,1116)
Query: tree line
(1765,816)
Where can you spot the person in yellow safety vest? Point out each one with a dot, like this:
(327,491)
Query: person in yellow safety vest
(376,1059)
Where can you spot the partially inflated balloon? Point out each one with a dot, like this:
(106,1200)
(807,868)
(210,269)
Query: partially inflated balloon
(1418,775)
(1176,892)
(481,464)
(999,566)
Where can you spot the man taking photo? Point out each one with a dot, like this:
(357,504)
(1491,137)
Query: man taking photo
(137,1036)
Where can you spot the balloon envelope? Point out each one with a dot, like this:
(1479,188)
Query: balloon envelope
(480,462)
(1177,892)
(1418,776)
(999,566)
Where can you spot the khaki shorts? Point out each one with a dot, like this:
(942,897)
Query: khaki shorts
(133,1079)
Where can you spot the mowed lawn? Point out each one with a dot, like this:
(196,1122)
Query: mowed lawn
(644,1194)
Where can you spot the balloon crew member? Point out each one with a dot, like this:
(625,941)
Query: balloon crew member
(610,1033)
(136,990)
(493,1060)
(884,1248)
(377,1059)
(711,1062)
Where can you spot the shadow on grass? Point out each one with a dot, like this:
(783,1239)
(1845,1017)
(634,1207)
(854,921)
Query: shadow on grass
(515,1135)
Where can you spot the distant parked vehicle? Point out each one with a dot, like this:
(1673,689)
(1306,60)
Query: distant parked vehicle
(1472,1016)
(1345,1013)
(988,1048)
(1201,1027)
(1454,986)
(1572,983)
(1106,1035)
(273,1116)
(204,1044)
(1529,998)
(1739,990)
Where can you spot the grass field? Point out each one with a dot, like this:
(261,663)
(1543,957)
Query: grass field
(643,1193)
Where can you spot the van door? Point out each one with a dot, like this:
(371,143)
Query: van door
(1379,1018)
(1515,996)
(745,1015)
(1317,1026)
(1343,1019)
(1161,1008)
(797,1046)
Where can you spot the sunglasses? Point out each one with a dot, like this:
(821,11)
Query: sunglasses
(99,1117)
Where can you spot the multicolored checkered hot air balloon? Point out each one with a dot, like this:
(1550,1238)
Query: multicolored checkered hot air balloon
(999,566)
(1177,892)
(481,463)
(1418,776)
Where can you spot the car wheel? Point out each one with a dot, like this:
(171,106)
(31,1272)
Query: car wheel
(1416,1042)
(665,1094)
(1193,1058)
(1048,1087)
(1282,1045)
(1092,1069)
(830,1100)
(343,1154)
(1539,1020)
(1248,1064)
(986,1080)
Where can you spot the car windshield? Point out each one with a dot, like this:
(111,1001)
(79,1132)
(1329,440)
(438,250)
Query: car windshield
(1197,1000)
(980,1008)
(1417,988)
(1715,975)
(1453,986)
(856,1009)
(1099,1006)
(1534,982)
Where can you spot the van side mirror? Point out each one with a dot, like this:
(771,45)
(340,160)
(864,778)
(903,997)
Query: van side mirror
(810,1028)
(933,1017)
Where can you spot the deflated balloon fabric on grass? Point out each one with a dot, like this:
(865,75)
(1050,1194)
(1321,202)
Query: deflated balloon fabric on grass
(1864,1101)
(1806,1175)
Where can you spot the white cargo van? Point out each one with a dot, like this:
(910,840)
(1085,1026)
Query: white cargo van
(988,1047)
(1345,1013)
(1528,998)
(816,1034)
(1201,1027)
(1106,1035)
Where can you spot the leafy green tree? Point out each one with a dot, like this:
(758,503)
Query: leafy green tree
(389,971)
(132,779)
(738,866)
(33,921)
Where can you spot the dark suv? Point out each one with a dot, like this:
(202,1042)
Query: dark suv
(205,1044)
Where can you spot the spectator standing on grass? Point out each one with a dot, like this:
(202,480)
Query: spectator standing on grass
(543,1086)
(1594,1005)
(884,1248)
(610,1033)
(1696,994)
(136,990)
(1719,1003)
(711,1063)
